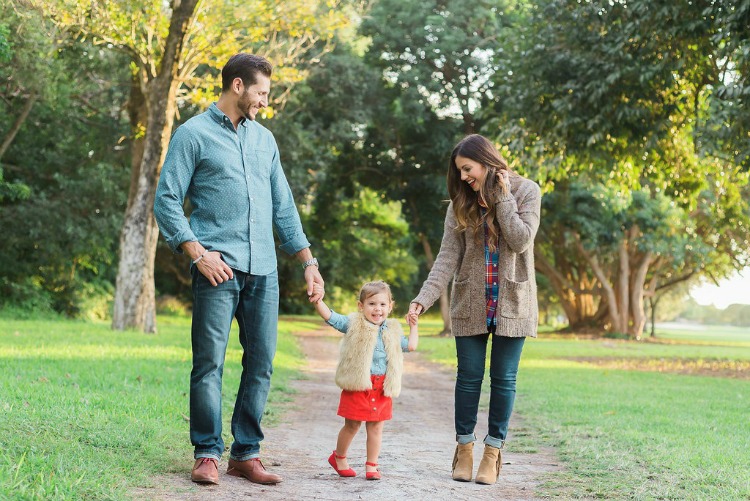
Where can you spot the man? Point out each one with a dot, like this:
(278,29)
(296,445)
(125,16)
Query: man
(228,166)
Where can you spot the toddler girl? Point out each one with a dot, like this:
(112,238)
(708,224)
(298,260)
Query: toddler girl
(368,372)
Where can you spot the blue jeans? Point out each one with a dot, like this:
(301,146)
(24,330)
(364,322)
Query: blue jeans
(254,301)
(471,352)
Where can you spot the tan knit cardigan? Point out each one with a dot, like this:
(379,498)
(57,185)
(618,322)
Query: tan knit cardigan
(462,259)
(355,355)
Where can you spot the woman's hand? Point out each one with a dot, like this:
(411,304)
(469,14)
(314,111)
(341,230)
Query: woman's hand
(504,179)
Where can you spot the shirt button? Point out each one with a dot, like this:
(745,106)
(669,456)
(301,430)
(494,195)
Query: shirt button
(373,399)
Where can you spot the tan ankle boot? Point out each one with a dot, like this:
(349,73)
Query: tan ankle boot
(463,462)
(490,466)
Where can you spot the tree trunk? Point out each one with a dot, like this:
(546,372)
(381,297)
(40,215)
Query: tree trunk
(636,297)
(614,314)
(653,301)
(623,283)
(18,123)
(134,305)
(573,287)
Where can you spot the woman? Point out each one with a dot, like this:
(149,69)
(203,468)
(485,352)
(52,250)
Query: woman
(488,250)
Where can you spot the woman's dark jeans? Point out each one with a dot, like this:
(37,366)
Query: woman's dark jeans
(504,358)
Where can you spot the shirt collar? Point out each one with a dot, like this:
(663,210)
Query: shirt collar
(220,117)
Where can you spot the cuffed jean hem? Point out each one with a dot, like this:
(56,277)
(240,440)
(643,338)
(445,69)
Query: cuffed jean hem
(494,442)
(199,455)
(245,457)
(465,439)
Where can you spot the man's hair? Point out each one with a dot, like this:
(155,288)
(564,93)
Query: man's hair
(246,67)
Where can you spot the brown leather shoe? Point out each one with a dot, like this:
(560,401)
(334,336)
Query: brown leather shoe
(253,470)
(205,471)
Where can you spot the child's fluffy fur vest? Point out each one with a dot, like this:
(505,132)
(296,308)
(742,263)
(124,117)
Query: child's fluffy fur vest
(355,355)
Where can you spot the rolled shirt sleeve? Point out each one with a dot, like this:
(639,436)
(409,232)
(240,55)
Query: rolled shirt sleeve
(176,175)
(286,219)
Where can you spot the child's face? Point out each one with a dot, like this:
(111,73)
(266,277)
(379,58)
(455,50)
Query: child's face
(376,308)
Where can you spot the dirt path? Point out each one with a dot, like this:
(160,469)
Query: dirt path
(416,456)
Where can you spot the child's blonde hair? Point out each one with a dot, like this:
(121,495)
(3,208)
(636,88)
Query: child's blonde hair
(371,288)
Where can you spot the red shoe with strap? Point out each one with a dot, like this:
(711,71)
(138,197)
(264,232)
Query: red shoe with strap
(344,473)
(372,475)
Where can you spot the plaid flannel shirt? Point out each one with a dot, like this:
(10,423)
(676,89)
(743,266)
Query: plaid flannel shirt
(490,276)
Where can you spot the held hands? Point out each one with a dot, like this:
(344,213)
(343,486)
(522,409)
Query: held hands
(412,318)
(323,310)
(315,284)
(318,290)
(415,309)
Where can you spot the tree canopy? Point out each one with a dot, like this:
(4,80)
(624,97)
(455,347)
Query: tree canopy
(631,114)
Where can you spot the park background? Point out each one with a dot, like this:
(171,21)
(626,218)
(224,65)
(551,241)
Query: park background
(633,116)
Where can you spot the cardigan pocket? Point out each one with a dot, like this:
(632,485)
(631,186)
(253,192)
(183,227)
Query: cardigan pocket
(514,299)
(461,299)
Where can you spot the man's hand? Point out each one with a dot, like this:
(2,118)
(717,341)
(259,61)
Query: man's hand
(214,268)
(315,285)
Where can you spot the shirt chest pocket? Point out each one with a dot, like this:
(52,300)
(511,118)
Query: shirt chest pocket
(259,162)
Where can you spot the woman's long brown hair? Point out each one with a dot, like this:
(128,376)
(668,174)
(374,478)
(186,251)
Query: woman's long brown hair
(465,200)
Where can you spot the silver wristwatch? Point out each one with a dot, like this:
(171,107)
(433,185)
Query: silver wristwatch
(310,262)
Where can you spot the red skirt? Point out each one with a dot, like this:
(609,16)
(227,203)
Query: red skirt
(366,405)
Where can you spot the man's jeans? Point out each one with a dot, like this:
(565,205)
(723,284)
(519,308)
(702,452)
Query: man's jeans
(254,301)
(504,358)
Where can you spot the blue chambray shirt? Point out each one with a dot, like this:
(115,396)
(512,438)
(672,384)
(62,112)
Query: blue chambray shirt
(341,323)
(237,188)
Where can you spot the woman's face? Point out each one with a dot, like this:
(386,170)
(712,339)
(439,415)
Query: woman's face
(472,172)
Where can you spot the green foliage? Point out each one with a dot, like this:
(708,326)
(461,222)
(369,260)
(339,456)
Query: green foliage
(13,191)
(606,79)
(621,98)
(347,131)
(64,174)
(729,128)
(5,45)
(365,238)
(444,50)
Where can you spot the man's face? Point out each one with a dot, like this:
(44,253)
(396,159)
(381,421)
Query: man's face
(254,97)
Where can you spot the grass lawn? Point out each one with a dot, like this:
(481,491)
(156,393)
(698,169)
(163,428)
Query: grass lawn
(86,413)
(632,434)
